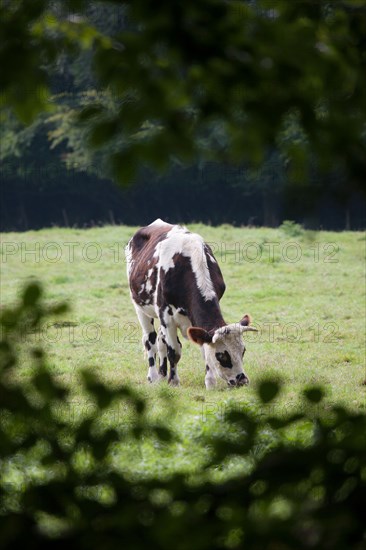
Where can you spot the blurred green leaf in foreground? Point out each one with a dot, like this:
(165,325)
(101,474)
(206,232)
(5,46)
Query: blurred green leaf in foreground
(59,486)
(205,78)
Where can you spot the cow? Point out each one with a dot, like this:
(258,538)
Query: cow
(174,277)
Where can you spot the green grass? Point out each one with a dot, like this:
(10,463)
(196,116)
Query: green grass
(310,312)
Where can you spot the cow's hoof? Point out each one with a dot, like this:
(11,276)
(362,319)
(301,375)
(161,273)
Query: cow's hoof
(153,380)
(152,375)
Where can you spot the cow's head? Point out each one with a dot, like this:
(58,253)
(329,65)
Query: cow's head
(224,350)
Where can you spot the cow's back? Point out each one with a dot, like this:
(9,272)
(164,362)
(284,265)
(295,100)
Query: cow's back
(169,265)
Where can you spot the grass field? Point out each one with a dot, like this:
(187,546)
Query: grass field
(305,292)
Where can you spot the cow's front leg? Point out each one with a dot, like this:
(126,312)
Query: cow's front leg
(173,346)
(210,379)
(149,343)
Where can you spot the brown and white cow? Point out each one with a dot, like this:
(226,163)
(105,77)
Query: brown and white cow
(173,276)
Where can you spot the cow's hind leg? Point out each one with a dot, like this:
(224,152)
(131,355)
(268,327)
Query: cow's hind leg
(173,345)
(163,356)
(149,343)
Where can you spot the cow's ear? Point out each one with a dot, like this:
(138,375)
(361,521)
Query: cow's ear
(244,324)
(246,320)
(199,336)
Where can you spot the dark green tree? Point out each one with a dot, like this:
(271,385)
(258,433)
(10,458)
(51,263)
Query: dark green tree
(177,69)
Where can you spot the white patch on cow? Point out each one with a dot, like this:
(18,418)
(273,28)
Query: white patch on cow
(157,222)
(149,310)
(200,268)
(166,249)
(212,259)
(183,323)
(232,329)
(148,285)
(129,261)
(180,241)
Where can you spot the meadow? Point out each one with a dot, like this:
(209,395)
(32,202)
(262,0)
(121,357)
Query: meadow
(305,292)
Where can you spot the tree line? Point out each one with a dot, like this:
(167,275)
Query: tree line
(213,193)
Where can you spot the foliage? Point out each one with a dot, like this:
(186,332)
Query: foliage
(57,169)
(295,496)
(214,63)
(212,78)
(291,229)
(33,36)
(63,129)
